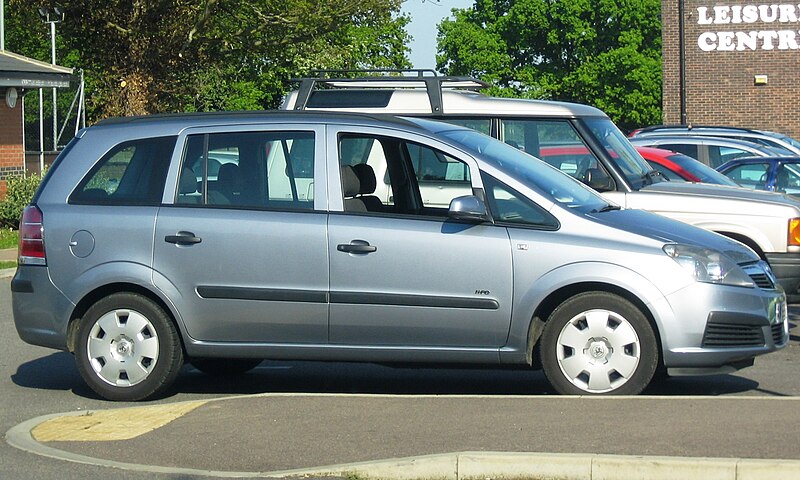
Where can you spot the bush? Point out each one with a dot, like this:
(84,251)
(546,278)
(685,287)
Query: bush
(19,193)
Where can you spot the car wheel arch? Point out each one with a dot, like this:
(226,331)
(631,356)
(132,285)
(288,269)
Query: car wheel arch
(95,295)
(745,240)
(559,296)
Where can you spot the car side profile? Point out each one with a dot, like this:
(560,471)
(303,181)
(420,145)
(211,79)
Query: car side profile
(136,266)
(778,142)
(712,151)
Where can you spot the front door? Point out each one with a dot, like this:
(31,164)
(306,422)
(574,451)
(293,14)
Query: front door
(401,273)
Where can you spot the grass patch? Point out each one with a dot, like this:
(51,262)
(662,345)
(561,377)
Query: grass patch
(8,238)
(4,265)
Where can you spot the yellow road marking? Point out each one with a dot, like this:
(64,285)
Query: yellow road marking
(108,425)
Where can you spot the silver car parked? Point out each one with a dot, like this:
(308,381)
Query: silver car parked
(136,258)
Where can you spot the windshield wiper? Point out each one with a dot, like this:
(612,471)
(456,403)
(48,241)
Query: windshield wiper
(607,208)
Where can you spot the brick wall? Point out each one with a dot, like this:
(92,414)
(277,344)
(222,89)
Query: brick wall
(720,87)
(11,152)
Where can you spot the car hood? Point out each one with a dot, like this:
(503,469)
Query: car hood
(720,191)
(667,230)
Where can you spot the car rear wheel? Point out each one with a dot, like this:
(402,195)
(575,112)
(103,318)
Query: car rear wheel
(224,366)
(598,343)
(127,348)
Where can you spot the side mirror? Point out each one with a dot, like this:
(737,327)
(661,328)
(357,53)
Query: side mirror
(598,180)
(468,208)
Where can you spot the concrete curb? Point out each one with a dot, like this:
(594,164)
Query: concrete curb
(468,465)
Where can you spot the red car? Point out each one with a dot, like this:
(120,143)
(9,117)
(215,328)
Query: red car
(682,168)
(673,166)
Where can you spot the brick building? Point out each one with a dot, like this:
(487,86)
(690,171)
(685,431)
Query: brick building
(742,64)
(18,76)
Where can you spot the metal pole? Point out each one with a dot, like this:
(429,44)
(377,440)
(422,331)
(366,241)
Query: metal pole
(24,142)
(55,104)
(41,131)
(2,25)
(682,67)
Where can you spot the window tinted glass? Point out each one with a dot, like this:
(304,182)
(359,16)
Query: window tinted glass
(249,169)
(483,125)
(666,172)
(689,150)
(132,173)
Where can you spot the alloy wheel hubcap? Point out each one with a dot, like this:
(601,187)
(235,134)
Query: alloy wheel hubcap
(598,351)
(122,347)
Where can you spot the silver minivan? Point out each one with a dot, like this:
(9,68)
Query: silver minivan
(136,256)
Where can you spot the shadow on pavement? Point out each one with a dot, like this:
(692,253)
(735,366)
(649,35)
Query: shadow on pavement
(58,372)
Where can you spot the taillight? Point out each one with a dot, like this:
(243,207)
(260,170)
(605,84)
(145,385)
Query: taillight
(31,237)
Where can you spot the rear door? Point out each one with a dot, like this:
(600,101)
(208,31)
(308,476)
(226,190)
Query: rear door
(242,250)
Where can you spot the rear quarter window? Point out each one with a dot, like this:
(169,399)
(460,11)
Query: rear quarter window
(131,173)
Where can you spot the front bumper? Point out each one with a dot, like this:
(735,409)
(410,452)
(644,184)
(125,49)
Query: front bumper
(719,329)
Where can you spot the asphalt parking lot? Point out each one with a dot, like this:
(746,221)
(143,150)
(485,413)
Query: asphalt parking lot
(319,419)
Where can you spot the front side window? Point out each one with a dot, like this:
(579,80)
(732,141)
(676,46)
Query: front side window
(249,169)
(389,175)
(787,178)
(132,173)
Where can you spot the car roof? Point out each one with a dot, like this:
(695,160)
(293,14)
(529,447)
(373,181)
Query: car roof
(454,102)
(690,128)
(173,123)
(697,139)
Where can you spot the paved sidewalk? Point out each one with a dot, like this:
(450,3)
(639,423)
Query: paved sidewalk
(318,435)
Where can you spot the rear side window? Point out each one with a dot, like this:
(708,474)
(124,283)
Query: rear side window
(272,170)
(132,173)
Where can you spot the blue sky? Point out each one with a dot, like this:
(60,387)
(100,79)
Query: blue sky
(425,16)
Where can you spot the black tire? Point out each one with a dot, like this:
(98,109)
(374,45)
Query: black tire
(598,343)
(128,348)
(225,366)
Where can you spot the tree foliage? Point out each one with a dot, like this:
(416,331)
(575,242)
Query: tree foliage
(602,52)
(148,56)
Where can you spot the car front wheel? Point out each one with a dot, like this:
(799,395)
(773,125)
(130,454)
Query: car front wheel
(598,343)
(127,348)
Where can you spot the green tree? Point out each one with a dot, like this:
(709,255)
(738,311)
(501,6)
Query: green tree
(149,56)
(605,53)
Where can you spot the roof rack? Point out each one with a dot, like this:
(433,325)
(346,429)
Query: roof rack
(385,78)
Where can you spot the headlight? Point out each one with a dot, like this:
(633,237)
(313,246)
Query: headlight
(706,265)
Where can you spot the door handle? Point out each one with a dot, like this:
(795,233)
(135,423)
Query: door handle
(183,238)
(356,246)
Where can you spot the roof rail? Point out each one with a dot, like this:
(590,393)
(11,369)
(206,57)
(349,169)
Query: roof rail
(693,127)
(384,78)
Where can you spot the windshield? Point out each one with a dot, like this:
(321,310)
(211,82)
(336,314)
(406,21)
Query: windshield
(622,153)
(702,171)
(536,174)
